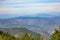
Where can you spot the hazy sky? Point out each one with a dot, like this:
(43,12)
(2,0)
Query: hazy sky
(14,8)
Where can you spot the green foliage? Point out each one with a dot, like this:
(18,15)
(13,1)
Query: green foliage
(25,36)
(1,37)
(56,35)
(5,36)
(36,38)
(30,37)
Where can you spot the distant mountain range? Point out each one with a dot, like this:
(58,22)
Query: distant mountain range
(35,24)
(3,16)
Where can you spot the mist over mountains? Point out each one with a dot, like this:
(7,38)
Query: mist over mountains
(43,24)
(32,23)
(7,16)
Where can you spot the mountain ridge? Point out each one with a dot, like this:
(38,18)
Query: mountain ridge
(32,23)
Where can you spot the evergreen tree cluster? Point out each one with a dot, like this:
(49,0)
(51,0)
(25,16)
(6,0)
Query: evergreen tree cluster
(25,36)
(56,35)
(6,36)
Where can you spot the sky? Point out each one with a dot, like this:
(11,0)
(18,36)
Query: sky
(16,8)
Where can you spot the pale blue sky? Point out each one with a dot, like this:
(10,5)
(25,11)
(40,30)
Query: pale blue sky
(9,8)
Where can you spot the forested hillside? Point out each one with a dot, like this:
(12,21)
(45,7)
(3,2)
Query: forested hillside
(26,36)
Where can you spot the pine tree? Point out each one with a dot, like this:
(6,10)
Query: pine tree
(1,37)
(25,36)
(30,37)
(56,35)
(38,37)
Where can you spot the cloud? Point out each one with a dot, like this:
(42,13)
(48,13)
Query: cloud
(17,1)
(30,8)
(47,0)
